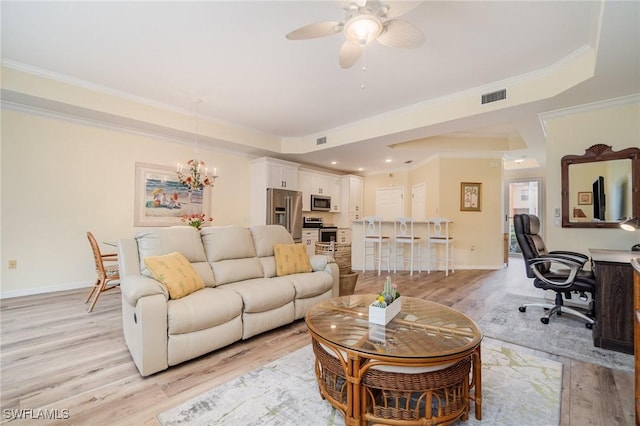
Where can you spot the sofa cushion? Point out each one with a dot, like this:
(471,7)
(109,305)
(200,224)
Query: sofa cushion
(231,271)
(265,236)
(291,259)
(269,266)
(203,309)
(264,294)
(311,284)
(230,251)
(183,239)
(227,242)
(175,272)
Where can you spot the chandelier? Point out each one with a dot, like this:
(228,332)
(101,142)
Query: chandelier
(197,177)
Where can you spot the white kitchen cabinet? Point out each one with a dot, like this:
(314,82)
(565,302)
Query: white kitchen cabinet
(266,173)
(304,185)
(283,176)
(309,239)
(352,197)
(344,236)
(319,183)
(335,190)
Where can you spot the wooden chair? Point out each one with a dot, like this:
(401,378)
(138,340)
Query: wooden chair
(106,273)
(404,235)
(375,244)
(438,235)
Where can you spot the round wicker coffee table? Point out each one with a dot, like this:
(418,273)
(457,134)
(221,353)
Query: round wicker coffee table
(423,367)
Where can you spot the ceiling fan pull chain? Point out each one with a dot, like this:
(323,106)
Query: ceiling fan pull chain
(364,69)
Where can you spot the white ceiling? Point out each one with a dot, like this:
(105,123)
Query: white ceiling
(234,57)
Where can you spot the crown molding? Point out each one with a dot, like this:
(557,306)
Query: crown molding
(544,117)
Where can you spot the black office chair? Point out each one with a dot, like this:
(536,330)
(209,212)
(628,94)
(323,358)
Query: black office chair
(571,278)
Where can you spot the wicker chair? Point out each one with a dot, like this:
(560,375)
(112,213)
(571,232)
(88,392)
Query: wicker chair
(331,377)
(107,273)
(429,398)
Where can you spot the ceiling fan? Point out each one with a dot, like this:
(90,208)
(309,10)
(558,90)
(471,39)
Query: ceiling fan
(365,21)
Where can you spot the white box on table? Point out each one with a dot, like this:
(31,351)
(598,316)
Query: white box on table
(384,315)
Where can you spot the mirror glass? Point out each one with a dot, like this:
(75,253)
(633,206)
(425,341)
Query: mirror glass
(600,191)
(600,188)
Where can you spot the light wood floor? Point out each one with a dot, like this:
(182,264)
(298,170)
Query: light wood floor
(57,356)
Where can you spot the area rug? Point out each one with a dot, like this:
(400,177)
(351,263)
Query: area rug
(565,336)
(518,389)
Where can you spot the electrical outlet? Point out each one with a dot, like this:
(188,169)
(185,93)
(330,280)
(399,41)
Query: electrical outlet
(13,264)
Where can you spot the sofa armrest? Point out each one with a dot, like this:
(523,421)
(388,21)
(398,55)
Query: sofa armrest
(322,262)
(319,262)
(128,260)
(134,287)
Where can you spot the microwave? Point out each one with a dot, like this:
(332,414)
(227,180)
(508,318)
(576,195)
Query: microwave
(320,203)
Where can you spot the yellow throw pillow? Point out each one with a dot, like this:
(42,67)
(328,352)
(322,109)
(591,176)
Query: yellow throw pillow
(176,273)
(291,259)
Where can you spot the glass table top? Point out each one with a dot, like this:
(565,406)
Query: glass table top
(422,329)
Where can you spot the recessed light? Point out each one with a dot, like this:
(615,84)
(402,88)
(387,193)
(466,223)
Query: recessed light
(360,169)
(388,160)
(334,163)
(519,161)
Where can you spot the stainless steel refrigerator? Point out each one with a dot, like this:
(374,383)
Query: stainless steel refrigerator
(284,208)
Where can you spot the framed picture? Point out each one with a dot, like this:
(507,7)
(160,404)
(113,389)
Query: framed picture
(161,200)
(470,196)
(585,198)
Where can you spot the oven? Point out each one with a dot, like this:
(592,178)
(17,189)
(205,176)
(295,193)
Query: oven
(328,234)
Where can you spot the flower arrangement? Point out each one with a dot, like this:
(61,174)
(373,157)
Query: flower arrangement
(388,296)
(196,220)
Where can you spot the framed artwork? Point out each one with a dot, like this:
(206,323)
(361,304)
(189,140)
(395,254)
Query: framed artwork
(161,200)
(470,196)
(585,198)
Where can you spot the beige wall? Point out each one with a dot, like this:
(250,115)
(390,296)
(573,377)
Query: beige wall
(616,125)
(61,179)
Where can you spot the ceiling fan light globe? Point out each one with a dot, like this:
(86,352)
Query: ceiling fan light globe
(363,29)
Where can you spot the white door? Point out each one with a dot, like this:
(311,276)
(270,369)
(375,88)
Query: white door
(419,201)
(390,203)
(523,196)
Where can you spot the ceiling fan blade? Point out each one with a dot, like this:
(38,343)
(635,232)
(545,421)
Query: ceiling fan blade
(398,8)
(401,34)
(319,29)
(349,54)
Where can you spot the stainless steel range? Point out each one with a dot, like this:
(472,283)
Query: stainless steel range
(326,233)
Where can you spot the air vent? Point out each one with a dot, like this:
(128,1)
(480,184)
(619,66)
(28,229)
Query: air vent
(494,96)
(321,140)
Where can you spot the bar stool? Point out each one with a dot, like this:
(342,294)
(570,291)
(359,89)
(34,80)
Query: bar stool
(403,230)
(374,242)
(438,235)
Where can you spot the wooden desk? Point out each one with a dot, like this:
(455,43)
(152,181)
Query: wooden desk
(614,299)
(636,306)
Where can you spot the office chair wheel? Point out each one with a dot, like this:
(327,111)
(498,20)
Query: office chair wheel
(589,325)
(522,309)
(544,320)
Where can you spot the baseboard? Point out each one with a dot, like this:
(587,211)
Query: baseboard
(44,290)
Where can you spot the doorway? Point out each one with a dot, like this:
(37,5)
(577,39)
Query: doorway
(523,196)
(390,203)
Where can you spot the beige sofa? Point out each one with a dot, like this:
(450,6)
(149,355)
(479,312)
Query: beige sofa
(242,296)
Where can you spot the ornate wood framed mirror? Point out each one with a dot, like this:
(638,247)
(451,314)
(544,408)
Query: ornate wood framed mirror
(600,188)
